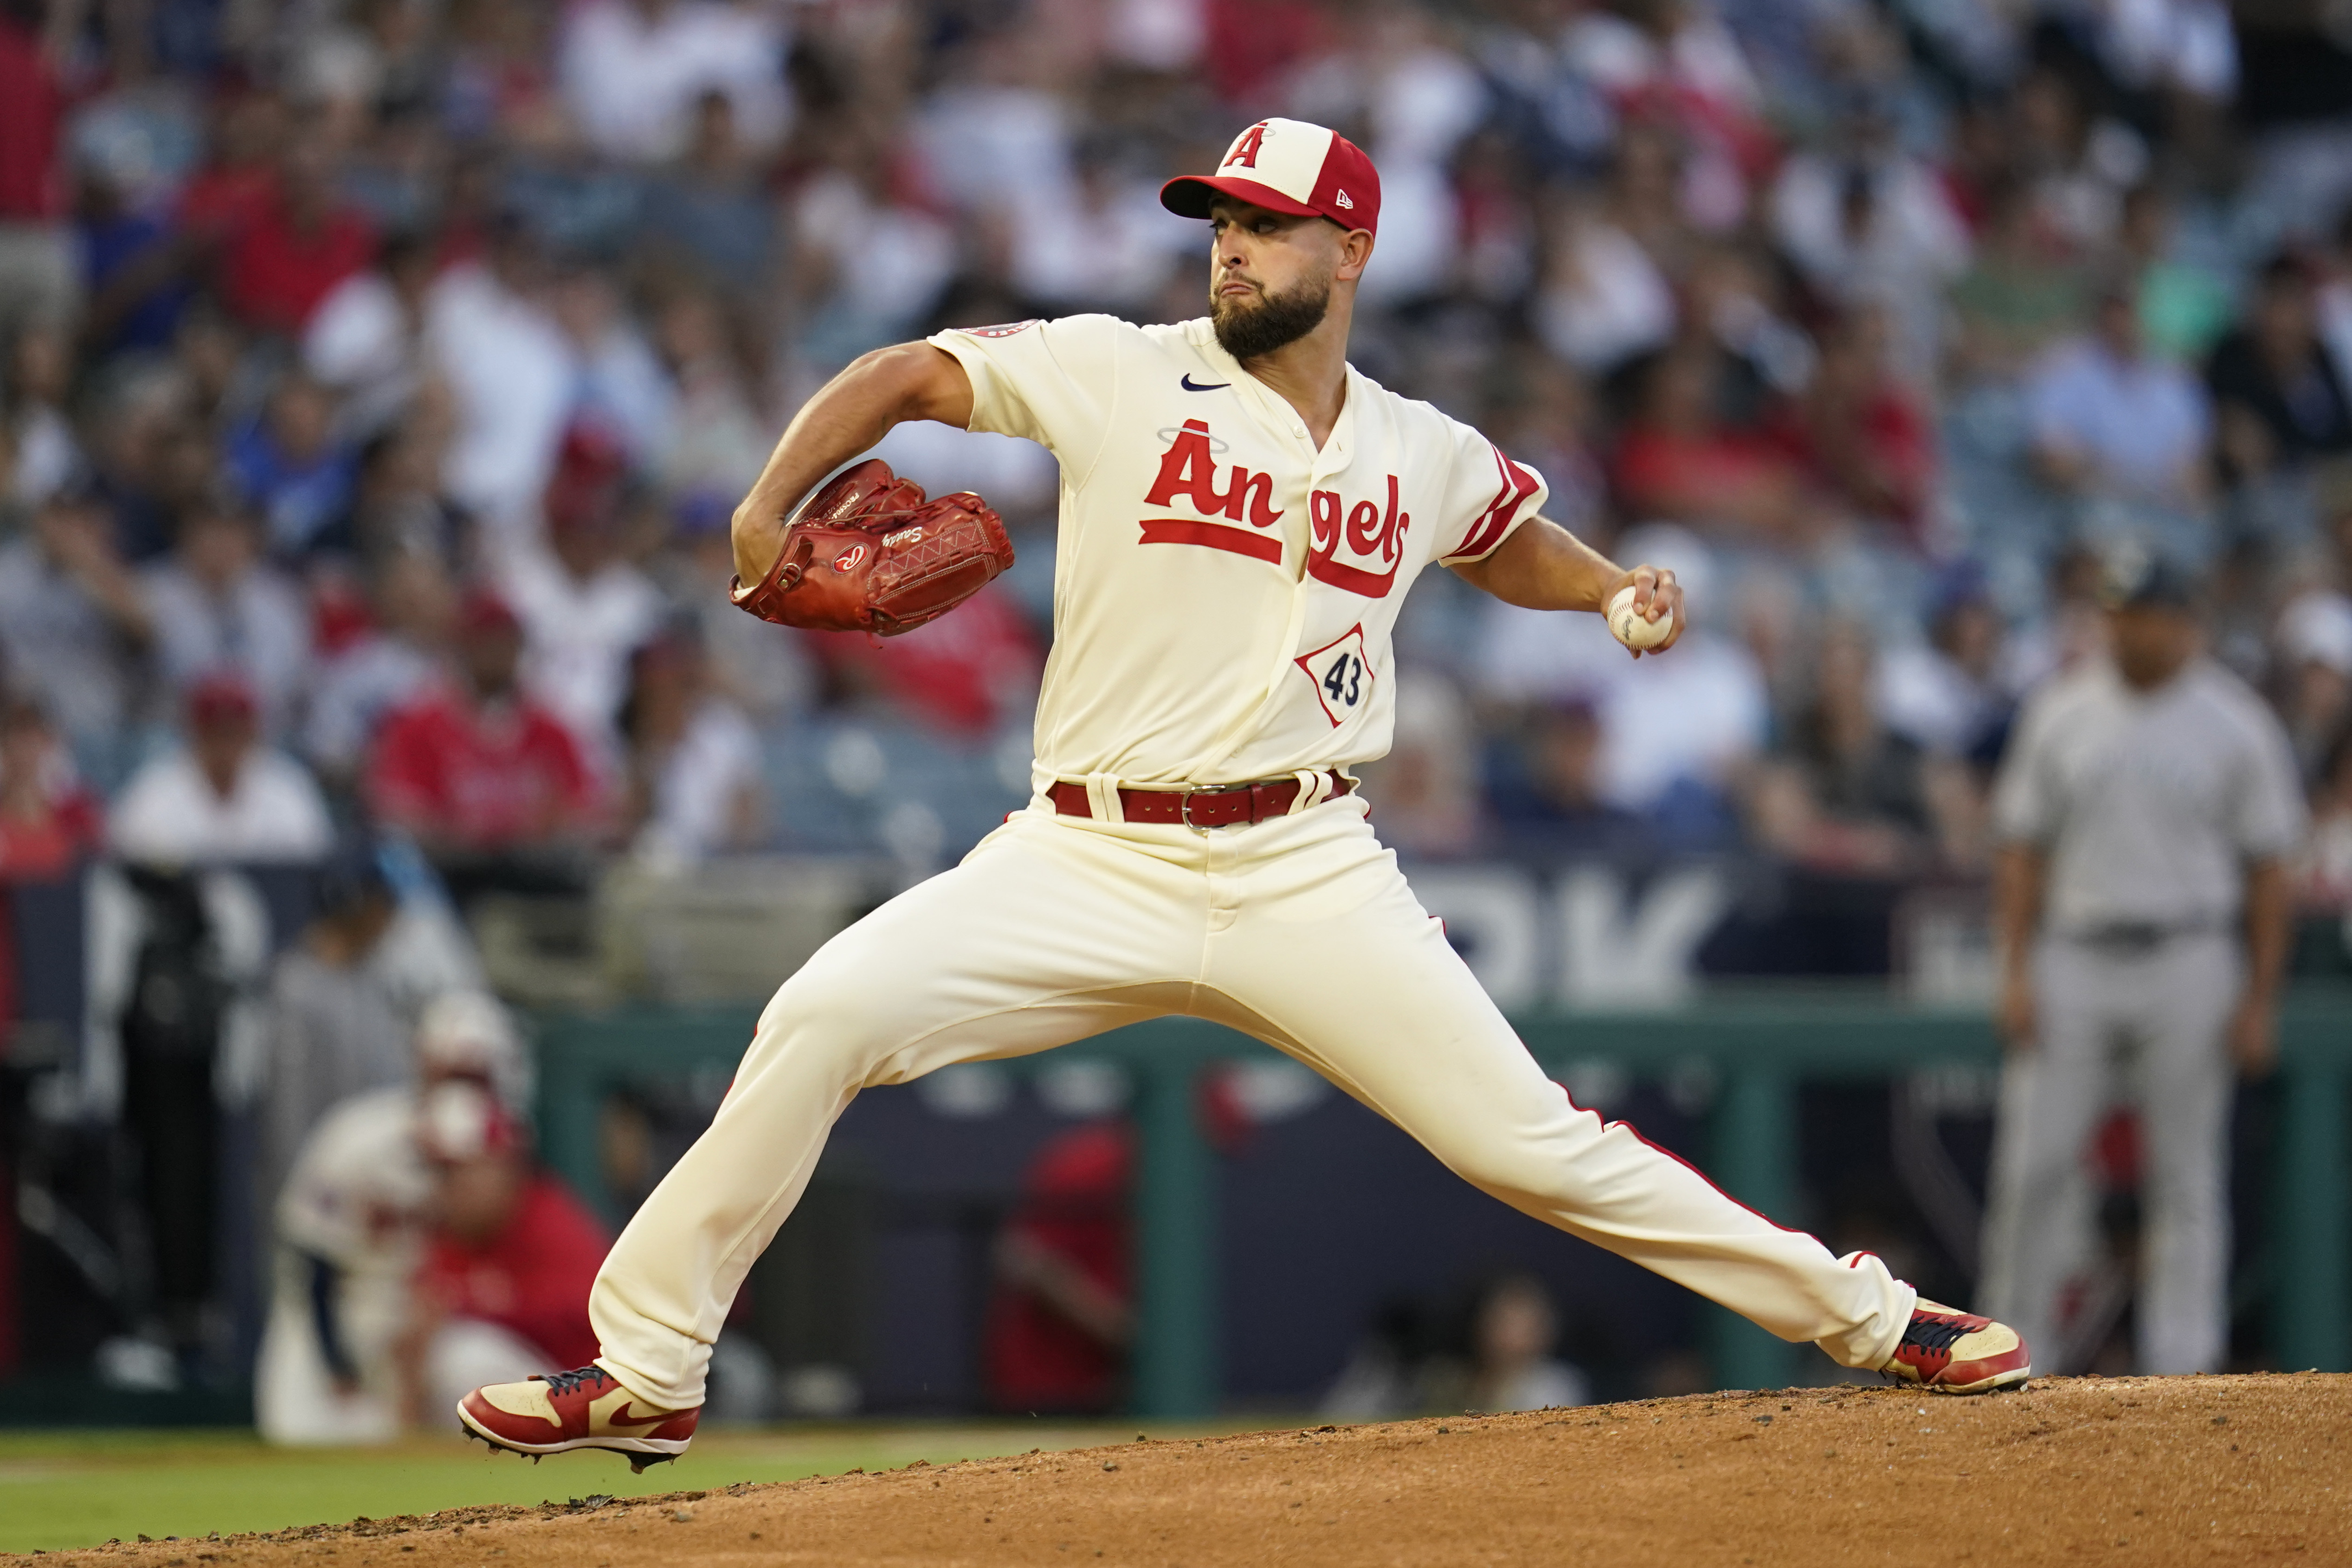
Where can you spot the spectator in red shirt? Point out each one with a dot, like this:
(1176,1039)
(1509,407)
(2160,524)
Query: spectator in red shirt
(283,261)
(475,768)
(1862,438)
(38,275)
(1679,461)
(1250,44)
(48,822)
(964,679)
(1058,1332)
(1063,1317)
(48,819)
(512,1250)
(239,180)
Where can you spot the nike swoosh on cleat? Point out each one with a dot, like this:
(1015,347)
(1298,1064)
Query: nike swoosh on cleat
(1189,385)
(625,1418)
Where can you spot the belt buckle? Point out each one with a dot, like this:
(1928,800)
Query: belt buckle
(1184,811)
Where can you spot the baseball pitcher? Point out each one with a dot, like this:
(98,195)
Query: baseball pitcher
(1242,515)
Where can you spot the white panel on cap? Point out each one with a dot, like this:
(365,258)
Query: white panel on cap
(1289,157)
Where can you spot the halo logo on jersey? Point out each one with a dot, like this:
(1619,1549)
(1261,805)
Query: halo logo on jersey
(1370,537)
(1189,468)
(1004,330)
(1342,675)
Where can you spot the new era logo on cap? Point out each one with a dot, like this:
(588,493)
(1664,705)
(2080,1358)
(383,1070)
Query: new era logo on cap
(1287,166)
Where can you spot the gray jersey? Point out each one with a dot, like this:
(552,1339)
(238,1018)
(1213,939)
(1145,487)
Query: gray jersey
(2149,804)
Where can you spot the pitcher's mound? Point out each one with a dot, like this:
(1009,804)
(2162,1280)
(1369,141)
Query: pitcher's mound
(2137,1471)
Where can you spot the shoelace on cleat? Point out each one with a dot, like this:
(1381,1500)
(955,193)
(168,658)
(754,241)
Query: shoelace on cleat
(1934,1333)
(570,1382)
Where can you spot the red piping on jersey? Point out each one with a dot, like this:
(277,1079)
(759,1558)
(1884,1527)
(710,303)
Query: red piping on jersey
(1215,535)
(1487,531)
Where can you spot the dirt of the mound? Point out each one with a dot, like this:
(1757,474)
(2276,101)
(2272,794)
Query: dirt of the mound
(2146,1471)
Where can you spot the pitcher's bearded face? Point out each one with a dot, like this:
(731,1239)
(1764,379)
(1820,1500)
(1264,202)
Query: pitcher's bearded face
(1253,321)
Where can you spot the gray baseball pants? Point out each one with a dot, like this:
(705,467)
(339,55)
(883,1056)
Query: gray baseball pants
(2147,1028)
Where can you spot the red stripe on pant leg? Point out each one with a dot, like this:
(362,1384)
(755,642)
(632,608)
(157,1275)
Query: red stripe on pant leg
(1583,1109)
(1703,1176)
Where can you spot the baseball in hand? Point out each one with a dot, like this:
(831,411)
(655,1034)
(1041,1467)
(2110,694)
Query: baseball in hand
(1634,629)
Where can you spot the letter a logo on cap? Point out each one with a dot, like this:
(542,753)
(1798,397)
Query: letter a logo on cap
(1291,167)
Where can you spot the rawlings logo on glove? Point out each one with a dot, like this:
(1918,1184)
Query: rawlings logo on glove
(870,552)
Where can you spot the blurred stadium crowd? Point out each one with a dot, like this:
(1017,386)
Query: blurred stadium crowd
(377,378)
(380,378)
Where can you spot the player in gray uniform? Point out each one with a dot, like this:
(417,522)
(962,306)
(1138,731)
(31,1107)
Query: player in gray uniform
(2146,810)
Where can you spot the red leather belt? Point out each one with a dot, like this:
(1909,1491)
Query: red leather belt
(1214,806)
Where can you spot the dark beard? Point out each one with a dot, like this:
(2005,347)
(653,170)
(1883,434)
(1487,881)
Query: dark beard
(1276,321)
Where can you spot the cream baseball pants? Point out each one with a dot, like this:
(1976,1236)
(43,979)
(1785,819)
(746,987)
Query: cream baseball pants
(1299,931)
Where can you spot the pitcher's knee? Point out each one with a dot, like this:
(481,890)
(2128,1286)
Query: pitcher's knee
(823,1020)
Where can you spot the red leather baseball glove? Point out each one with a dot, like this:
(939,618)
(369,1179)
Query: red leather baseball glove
(870,554)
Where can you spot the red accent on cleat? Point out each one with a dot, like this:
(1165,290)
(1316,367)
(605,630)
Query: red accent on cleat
(1951,1352)
(567,1410)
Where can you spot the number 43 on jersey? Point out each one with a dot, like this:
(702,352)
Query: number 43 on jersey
(1342,675)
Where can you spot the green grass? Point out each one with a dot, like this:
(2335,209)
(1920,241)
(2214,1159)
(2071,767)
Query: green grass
(64,1489)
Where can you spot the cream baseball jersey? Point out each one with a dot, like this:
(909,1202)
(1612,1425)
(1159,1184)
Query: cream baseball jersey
(1224,593)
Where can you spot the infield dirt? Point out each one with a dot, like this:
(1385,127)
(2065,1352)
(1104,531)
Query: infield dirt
(2131,1470)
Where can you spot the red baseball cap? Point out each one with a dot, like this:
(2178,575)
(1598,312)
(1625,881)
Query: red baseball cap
(486,610)
(586,480)
(1287,166)
(222,696)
